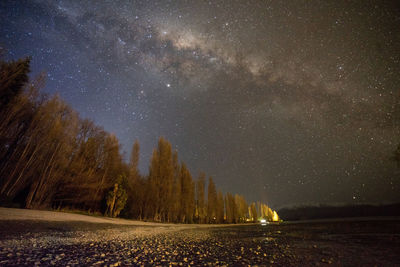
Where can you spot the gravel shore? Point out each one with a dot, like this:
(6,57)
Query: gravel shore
(71,242)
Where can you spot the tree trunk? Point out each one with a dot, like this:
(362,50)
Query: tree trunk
(112,211)
(29,198)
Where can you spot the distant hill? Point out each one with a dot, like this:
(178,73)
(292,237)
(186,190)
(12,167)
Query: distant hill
(345,211)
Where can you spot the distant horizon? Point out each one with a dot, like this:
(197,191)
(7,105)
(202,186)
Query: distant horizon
(343,204)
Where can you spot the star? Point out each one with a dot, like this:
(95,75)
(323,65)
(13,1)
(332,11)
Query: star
(302,98)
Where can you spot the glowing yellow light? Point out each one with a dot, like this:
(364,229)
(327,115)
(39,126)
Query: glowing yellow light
(275,218)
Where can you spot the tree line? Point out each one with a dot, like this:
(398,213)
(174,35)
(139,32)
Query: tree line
(52,158)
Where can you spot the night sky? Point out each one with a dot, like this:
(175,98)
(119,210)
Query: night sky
(287,102)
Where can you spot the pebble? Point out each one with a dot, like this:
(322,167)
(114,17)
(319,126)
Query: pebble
(196,246)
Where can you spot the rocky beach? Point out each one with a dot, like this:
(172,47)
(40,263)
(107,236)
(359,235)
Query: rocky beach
(53,238)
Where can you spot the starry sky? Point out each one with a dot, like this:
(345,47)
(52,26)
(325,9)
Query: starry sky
(287,102)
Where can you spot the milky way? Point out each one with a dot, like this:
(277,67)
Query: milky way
(286,102)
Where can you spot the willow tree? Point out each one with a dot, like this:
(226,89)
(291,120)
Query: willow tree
(116,197)
(80,188)
(109,169)
(57,126)
(16,113)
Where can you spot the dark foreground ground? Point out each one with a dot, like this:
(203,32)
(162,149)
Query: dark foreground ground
(345,243)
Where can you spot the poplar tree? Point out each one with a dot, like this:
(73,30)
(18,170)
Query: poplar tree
(242,208)
(177,191)
(187,196)
(211,201)
(253,212)
(220,214)
(200,198)
(231,209)
(135,187)
(161,177)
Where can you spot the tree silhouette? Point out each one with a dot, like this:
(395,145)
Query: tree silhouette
(52,158)
(13,77)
